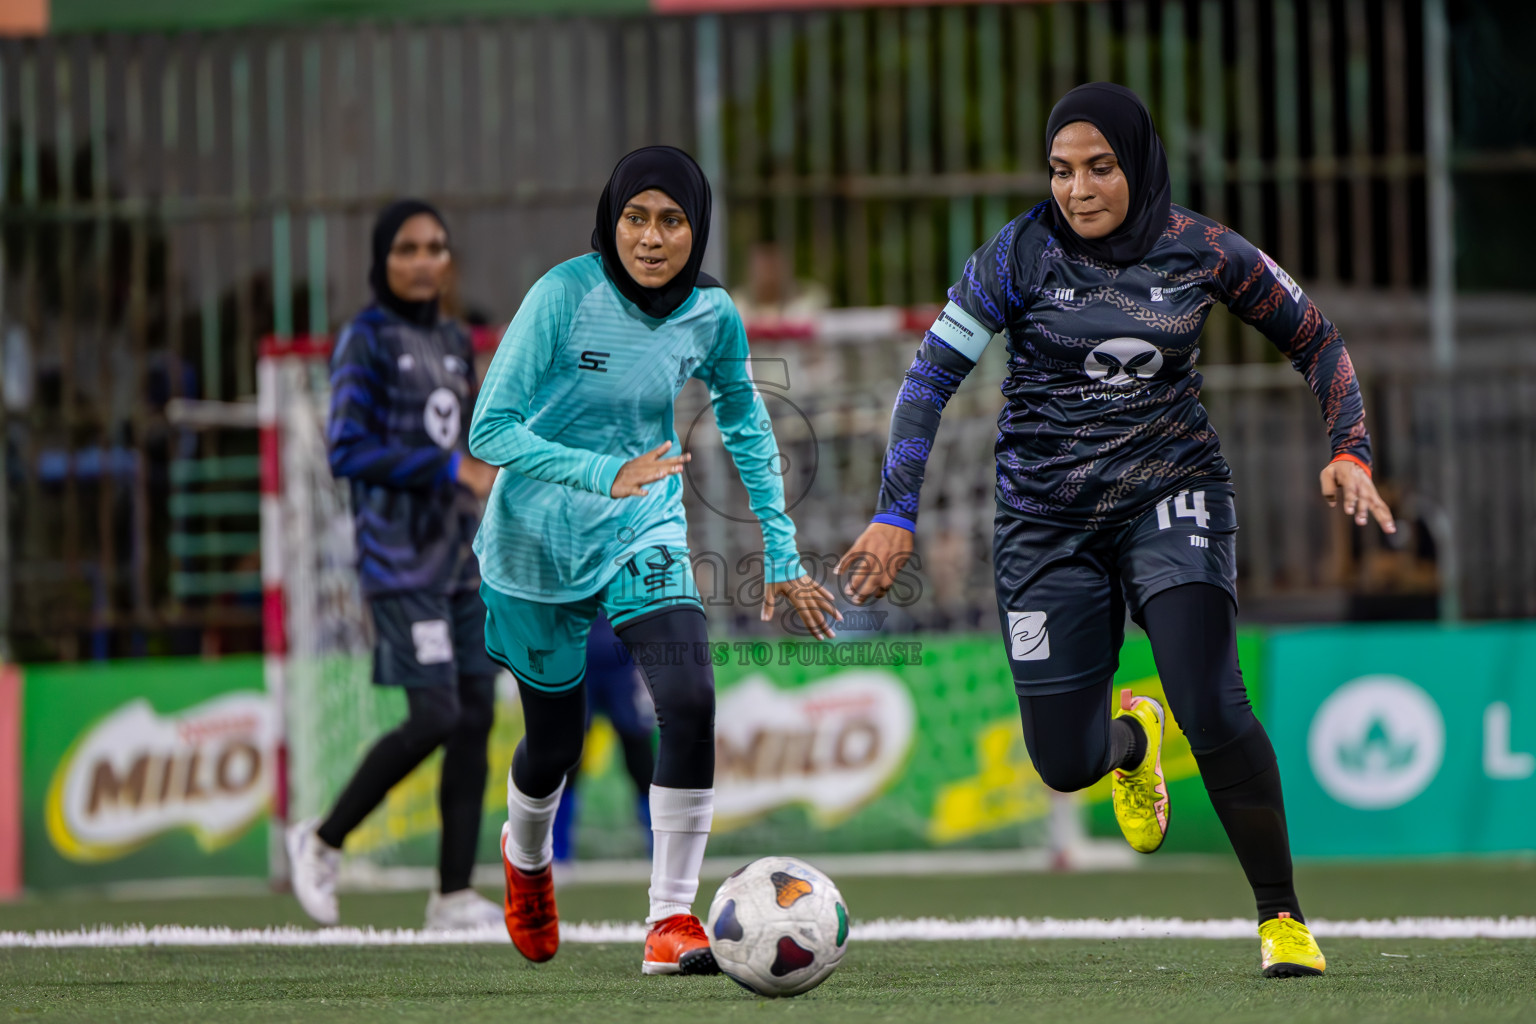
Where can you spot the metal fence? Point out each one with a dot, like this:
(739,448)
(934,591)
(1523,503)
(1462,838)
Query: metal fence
(165,201)
(1455,454)
(883,147)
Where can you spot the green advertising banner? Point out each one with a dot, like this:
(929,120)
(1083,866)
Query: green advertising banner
(148,769)
(163,769)
(894,745)
(890,745)
(1407,740)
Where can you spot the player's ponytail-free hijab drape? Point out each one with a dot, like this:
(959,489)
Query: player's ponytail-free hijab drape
(1126,125)
(391,219)
(674,172)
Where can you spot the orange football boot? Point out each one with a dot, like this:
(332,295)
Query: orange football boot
(678,945)
(532,920)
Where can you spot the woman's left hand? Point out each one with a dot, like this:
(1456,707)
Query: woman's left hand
(1346,480)
(810,600)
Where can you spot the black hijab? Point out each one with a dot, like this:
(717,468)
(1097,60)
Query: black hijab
(391,219)
(1122,118)
(674,172)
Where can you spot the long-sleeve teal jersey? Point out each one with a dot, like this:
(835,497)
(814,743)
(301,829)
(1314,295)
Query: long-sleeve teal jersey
(582,383)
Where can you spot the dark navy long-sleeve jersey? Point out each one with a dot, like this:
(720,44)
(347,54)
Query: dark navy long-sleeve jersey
(1102,417)
(401,397)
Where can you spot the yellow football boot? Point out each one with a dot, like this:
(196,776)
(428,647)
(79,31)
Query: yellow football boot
(1141,794)
(1289,949)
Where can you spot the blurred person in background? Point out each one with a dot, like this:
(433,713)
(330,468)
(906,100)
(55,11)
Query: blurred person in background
(402,387)
(1112,490)
(772,294)
(616,691)
(578,408)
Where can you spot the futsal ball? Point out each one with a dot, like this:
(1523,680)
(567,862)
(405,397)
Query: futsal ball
(778,927)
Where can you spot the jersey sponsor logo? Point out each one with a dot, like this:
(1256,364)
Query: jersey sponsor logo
(434,644)
(949,321)
(1030,636)
(591,360)
(1061,294)
(1281,276)
(1161,293)
(962,332)
(1122,361)
(1184,505)
(1199,542)
(441,417)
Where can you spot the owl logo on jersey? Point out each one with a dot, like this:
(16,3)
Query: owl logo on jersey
(441,417)
(1122,361)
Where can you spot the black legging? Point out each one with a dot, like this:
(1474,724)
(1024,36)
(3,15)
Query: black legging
(672,647)
(639,763)
(1193,630)
(459,720)
(1074,742)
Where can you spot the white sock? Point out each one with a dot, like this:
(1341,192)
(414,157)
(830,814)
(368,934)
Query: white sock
(530,840)
(680,820)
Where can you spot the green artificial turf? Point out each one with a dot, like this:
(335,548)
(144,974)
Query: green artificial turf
(1188,887)
(1391,981)
(1152,980)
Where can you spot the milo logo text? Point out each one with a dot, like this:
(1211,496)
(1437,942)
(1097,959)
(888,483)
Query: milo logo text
(831,745)
(136,774)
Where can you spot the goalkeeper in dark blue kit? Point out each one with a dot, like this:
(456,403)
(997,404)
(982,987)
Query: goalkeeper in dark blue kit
(1112,493)
(402,388)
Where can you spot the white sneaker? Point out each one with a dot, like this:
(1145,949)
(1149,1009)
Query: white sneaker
(312,868)
(464,910)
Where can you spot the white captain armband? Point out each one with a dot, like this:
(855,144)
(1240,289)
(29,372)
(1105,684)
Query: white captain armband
(962,332)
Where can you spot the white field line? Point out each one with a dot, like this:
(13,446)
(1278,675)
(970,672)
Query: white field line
(925,929)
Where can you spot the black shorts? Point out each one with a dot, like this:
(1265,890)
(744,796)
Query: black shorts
(1062,593)
(425,639)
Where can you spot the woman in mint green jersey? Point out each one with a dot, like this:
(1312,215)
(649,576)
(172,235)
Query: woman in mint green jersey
(577,408)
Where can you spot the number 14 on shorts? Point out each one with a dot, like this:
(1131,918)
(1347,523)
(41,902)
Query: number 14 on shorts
(1184,505)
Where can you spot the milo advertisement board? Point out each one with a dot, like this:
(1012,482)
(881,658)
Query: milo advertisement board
(898,744)
(150,769)
(855,746)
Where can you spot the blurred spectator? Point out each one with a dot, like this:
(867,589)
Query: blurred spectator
(772,293)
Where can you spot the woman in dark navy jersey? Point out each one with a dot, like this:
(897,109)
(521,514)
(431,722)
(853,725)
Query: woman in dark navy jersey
(402,387)
(1112,493)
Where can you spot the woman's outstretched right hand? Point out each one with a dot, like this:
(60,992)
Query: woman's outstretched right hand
(646,469)
(870,566)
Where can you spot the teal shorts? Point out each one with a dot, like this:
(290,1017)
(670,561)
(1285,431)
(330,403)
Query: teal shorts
(545,645)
